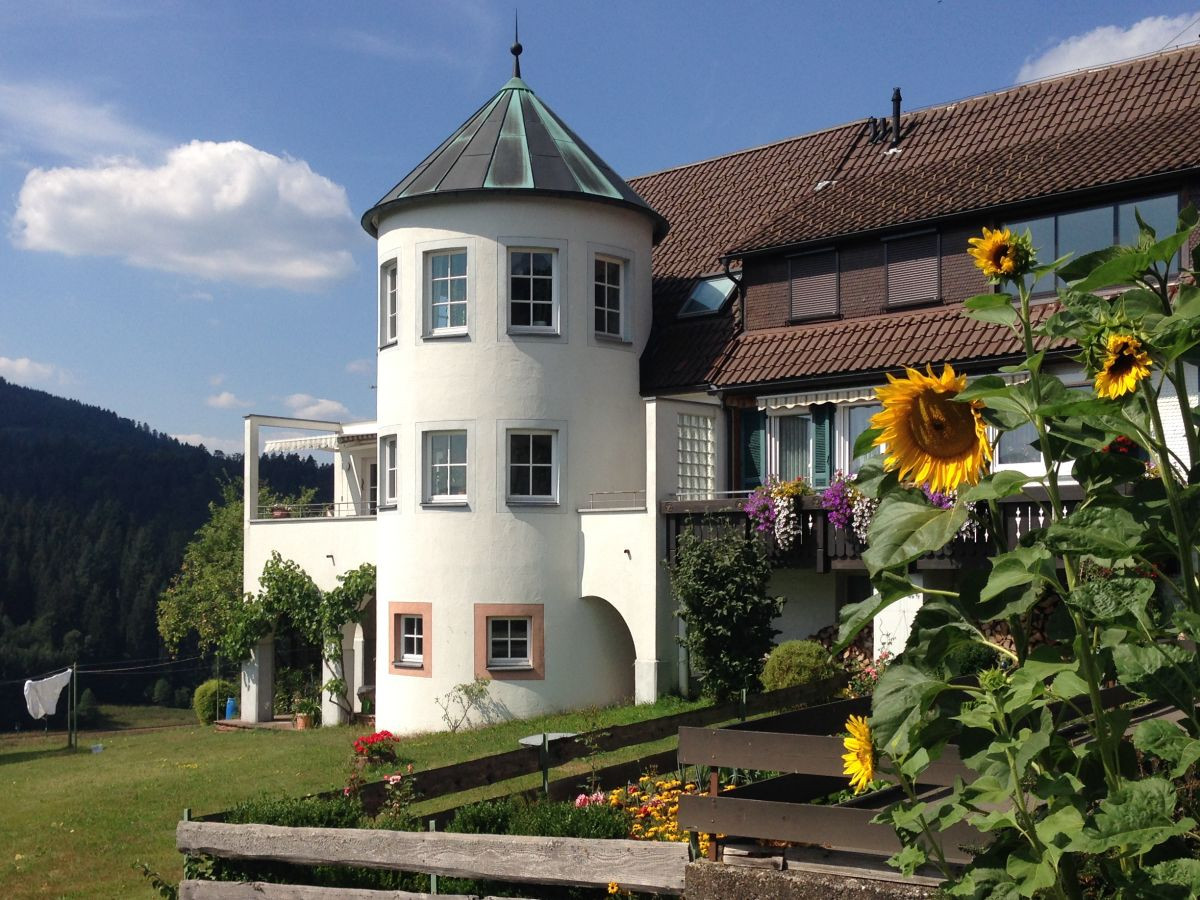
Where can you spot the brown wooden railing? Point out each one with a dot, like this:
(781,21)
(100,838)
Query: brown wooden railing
(822,547)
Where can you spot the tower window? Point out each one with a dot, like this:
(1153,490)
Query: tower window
(609,291)
(447,307)
(532,291)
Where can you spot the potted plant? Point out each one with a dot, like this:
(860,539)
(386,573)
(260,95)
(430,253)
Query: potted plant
(305,711)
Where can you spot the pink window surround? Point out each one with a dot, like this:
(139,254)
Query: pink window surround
(535,612)
(423,669)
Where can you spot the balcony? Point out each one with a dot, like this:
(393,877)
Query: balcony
(823,548)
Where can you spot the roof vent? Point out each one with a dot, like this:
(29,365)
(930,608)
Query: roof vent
(880,130)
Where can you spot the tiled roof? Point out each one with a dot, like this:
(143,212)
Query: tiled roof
(1077,132)
(870,345)
(514,142)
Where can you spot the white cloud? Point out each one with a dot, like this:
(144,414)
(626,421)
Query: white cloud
(225,445)
(361,366)
(222,211)
(1107,44)
(24,370)
(226,400)
(306,406)
(61,121)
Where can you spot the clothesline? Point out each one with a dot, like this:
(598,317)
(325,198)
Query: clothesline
(85,670)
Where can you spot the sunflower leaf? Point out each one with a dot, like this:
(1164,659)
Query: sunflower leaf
(1168,742)
(995,308)
(889,587)
(1123,268)
(997,486)
(905,530)
(865,442)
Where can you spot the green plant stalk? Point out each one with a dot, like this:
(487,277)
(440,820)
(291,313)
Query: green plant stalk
(926,831)
(1166,473)
(1108,751)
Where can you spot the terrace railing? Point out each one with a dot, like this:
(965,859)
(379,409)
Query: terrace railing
(821,546)
(315,510)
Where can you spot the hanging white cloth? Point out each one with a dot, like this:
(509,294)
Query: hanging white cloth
(42,696)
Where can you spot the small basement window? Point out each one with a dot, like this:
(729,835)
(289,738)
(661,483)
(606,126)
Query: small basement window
(708,297)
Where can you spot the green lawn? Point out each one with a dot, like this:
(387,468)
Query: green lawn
(72,824)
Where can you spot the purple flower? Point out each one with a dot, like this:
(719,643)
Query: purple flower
(838,500)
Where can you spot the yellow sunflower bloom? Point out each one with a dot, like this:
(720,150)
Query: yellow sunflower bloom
(859,763)
(1000,254)
(1125,365)
(928,435)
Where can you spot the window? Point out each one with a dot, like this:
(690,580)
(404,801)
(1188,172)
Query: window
(912,268)
(532,469)
(858,420)
(608,283)
(388,284)
(446,465)
(373,488)
(813,279)
(411,639)
(390,482)
(1083,231)
(508,642)
(707,297)
(448,291)
(697,476)
(532,294)
(801,446)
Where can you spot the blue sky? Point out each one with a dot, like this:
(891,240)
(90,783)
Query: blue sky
(181,182)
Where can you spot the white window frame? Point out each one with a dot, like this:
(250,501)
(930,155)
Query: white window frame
(389,303)
(418,637)
(844,440)
(555,326)
(531,499)
(389,455)
(428,466)
(430,330)
(621,334)
(510,662)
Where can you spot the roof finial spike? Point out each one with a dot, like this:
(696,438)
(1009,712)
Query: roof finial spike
(516,47)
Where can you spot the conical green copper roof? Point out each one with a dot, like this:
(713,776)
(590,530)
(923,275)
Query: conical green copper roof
(514,143)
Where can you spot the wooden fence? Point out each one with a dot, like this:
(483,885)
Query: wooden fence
(650,866)
(452,779)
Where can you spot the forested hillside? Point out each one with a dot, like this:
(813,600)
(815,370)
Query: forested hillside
(95,511)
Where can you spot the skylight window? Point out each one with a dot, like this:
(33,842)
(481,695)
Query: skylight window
(708,296)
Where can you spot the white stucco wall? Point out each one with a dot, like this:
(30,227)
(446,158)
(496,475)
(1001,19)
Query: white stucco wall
(811,602)
(581,386)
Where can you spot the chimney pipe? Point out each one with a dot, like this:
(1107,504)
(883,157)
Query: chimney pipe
(895,117)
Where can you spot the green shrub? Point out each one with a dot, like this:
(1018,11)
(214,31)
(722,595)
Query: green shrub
(969,658)
(721,588)
(160,694)
(209,699)
(485,817)
(299,812)
(795,663)
(87,709)
(182,698)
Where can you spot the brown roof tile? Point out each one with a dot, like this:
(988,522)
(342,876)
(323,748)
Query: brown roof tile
(1128,121)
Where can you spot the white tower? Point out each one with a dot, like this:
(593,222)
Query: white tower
(515,301)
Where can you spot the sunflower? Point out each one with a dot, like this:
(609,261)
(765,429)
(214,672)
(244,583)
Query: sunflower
(929,435)
(1125,365)
(859,763)
(1000,254)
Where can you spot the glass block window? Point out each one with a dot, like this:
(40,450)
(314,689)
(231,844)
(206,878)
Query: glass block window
(696,456)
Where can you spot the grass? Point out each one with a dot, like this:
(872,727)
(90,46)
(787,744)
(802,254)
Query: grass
(74,823)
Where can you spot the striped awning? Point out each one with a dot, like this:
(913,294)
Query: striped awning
(841,395)
(308,442)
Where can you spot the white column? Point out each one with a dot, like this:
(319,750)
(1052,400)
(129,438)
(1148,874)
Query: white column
(645,680)
(331,712)
(250,471)
(357,666)
(258,683)
(894,623)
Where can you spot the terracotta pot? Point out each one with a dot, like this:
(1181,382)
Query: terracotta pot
(302,721)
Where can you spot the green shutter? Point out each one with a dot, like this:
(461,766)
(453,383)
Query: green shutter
(822,465)
(753,446)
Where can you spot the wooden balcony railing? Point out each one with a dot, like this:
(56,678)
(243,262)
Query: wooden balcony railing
(822,547)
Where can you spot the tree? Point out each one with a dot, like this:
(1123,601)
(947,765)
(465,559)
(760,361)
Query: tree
(721,588)
(206,594)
